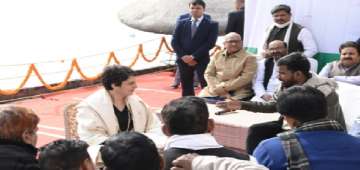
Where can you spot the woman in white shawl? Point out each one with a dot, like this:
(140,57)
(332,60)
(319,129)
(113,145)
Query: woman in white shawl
(113,109)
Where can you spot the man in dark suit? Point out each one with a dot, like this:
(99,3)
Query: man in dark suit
(236,19)
(176,83)
(192,40)
(188,16)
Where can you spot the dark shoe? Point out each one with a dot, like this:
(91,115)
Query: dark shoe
(175,86)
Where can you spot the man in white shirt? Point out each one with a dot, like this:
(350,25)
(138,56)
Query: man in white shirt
(297,37)
(347,69)
(266,81)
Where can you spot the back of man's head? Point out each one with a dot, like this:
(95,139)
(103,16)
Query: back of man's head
(186,115)
(130,151)
(65,155)
(302,103)
(295,61)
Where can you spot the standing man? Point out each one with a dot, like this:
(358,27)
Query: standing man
(297,37)
(192,40)
(236,19)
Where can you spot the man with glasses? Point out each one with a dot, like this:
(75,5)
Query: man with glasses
(230,71)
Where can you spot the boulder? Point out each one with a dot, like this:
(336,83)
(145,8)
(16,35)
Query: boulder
(159,16)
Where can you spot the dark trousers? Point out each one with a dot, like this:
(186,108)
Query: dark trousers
(262,131)
(187,77)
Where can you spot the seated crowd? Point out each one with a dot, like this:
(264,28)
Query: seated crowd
(117,130)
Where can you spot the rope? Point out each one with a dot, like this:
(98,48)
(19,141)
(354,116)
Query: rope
(75,66)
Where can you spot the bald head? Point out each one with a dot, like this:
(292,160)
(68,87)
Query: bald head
(232,36)
(277,49)
(233,42)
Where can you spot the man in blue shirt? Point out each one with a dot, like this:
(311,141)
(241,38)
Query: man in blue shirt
(314,141)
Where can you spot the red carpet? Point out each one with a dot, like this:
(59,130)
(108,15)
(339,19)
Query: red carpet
(153,88)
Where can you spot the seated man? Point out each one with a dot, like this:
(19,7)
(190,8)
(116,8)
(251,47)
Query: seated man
(186,121)
(113,109)
(230,71)
(65,155)
(130,151)
(348,68)
(294,69)
(266,81)
(314,141)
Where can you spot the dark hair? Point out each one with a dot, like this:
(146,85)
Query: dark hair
(302,103)
(186,115)
(197,2)
(63,154)
(15,120)
(115,74)
(281,7)
(296,61)
(130,151)
(350,44)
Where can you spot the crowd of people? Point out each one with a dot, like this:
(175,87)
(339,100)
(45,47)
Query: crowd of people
(116,128)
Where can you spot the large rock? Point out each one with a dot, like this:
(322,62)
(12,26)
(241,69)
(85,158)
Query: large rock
(159,16)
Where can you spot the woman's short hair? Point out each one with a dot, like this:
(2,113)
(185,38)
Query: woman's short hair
(115,74)
(15,120)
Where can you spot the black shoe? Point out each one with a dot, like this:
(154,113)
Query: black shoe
(175,86)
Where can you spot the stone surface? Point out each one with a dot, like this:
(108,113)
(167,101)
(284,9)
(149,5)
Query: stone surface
(159,16)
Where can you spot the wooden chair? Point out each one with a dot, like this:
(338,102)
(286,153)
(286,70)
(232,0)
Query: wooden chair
(70,121)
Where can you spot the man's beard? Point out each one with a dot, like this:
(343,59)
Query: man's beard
(287,84)
(278,55)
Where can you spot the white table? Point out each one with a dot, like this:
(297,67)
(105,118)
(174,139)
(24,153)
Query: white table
(231,129)
(349,96)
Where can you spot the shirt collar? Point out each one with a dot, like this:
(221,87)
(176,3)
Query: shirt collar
(199,19)
(231,55)
(203,141)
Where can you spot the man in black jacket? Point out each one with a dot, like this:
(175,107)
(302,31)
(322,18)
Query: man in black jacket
(236,19)
(186,122)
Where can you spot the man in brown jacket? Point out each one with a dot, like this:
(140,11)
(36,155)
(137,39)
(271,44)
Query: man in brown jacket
(230,71)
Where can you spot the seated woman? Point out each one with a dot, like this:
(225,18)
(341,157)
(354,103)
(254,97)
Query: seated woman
(113,109)
(348,68)
(18,127)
